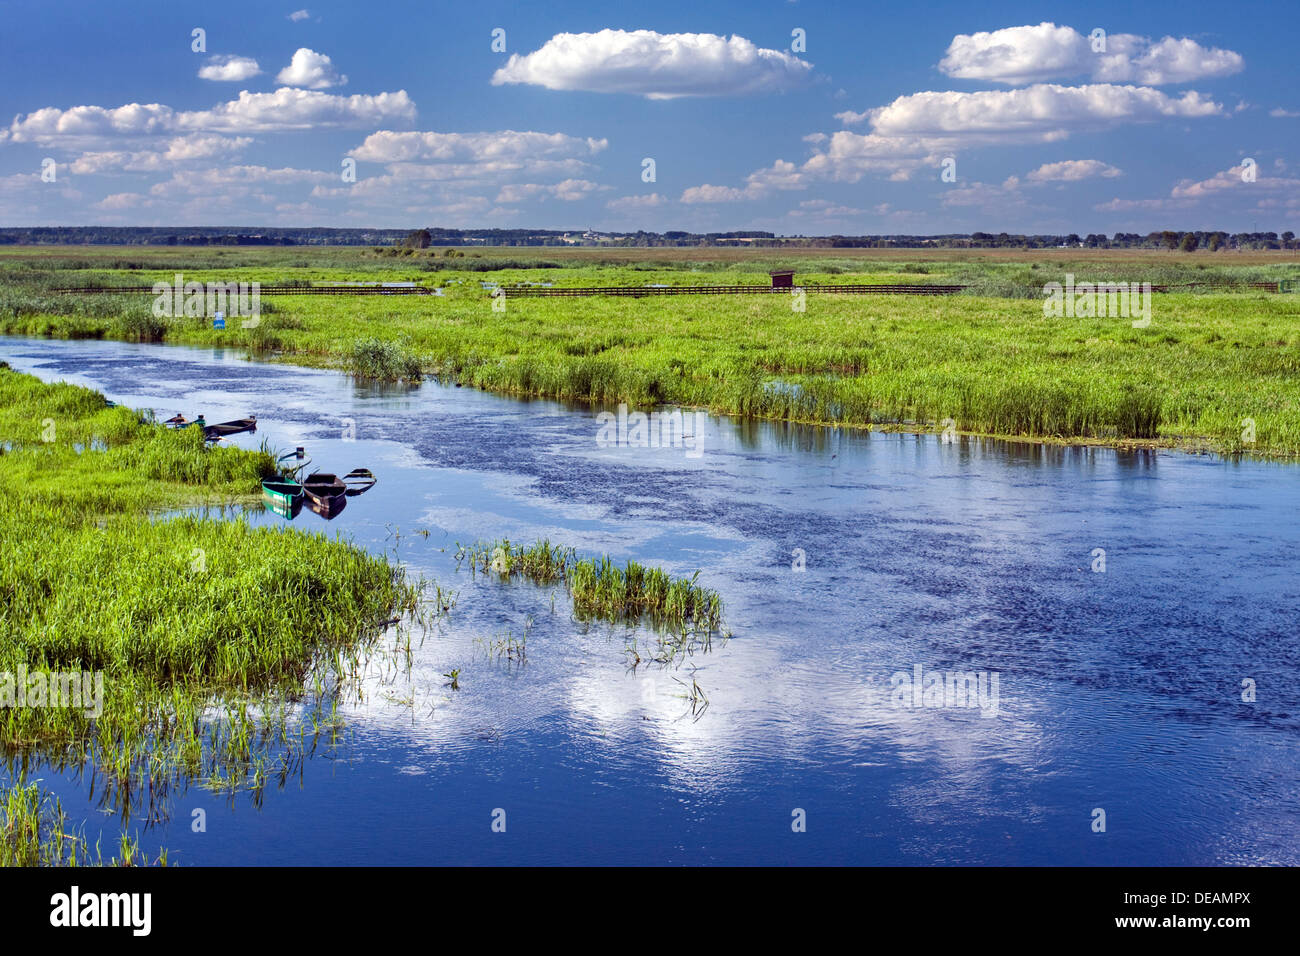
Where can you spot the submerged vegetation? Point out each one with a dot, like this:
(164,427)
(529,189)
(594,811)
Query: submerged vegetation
(1216,368)
(602,589)
(35,831)
(211,642)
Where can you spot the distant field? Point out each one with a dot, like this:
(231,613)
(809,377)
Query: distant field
(1211,370)
(721,254)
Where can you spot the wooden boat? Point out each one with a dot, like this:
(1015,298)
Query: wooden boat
(359,481)
(213,432)
(298,457)
(286,511)
(326,493)
(330,512)
(283,497)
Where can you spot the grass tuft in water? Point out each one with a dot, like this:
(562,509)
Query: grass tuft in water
(35,831)
(602,589)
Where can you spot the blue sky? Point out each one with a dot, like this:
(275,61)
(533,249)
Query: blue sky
(1044,126)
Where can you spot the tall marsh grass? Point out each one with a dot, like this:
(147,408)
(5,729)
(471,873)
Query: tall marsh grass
(988,360)
(602,589)
(35,831)
(212,637)
(384,361)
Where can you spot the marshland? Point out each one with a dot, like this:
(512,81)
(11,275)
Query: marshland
(221,646)
(1217,352)
(678,651)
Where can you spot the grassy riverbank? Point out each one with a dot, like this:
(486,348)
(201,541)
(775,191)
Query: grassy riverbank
(1214,369)
(204,636)
(190,650)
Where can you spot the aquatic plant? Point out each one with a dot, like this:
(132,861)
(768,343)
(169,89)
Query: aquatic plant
(1216,354)
(35,831)
(602,589)
(217,646)
(506,646)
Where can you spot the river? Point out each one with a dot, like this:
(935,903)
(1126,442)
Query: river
(846,560)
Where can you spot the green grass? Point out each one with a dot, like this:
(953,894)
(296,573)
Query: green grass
(208,634)
(35,831)
(384,361)
(990,360)
(602,589)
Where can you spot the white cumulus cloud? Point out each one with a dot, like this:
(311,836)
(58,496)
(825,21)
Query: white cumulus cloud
(310,70)
(1030,54)
(229,69)
(285,109)
(708,193)
(289,108)
(1042,112)
(387,146)
(917,131)
(825,209)
(180,149)
(568,190)
(234,180)
(87,123)
(1227,187)
(116,202)
(655,65)
(1073,170)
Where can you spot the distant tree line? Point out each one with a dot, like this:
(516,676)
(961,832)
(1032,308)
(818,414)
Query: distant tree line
(1212,241)
(1168,239)
(195,236)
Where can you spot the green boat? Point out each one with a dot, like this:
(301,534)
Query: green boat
(283,497)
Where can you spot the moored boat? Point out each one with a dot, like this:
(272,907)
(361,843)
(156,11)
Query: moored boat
(297,458)
(283,497)
(213,432)
(359,481)
(326,493)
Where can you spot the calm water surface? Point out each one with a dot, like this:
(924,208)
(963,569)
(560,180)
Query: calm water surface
(1119,690)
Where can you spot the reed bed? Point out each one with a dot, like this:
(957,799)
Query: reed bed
(384,361)
(988,361)
(602,589)
(35,831)
(219,645)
